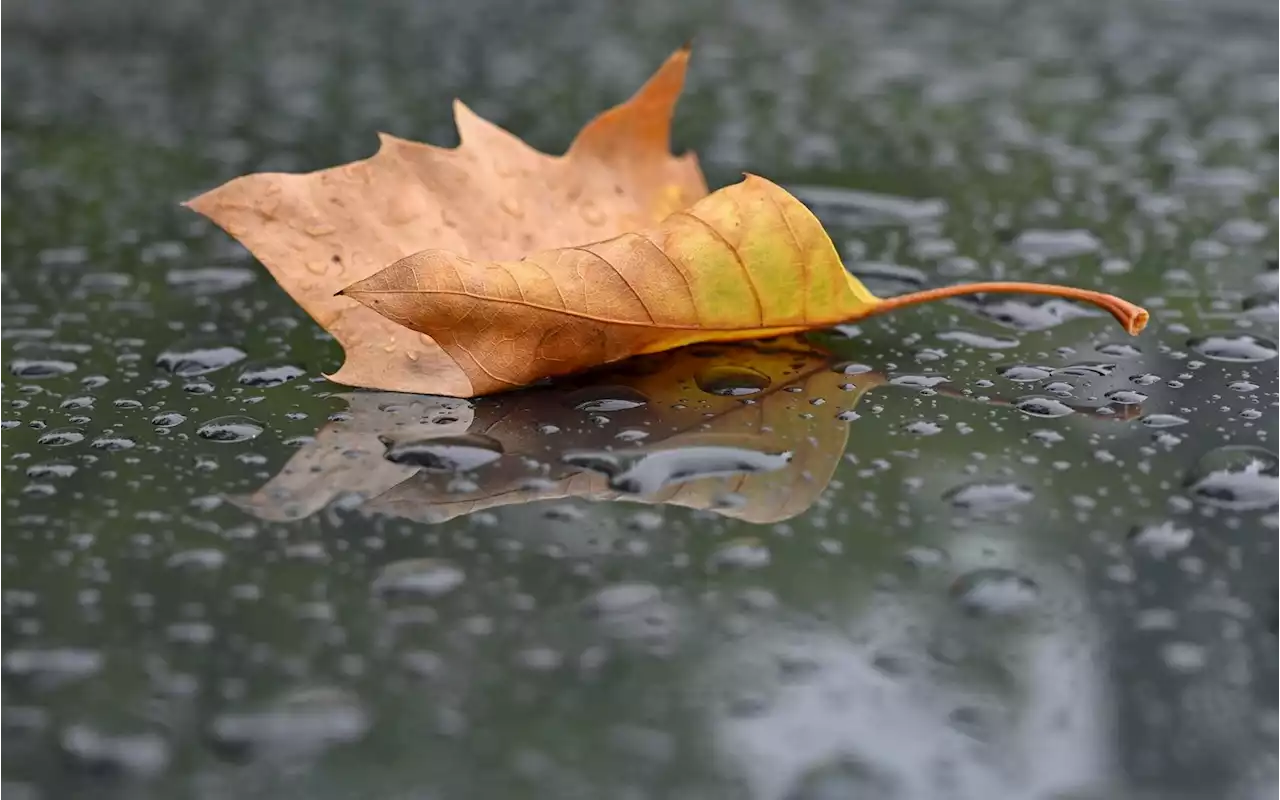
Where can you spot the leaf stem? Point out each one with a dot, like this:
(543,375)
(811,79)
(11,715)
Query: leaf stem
(1133,318)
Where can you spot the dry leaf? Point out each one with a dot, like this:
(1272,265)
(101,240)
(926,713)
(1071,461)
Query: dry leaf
(492,197)
(682,401)
(512,265)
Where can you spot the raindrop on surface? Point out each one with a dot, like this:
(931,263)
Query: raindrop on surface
(621,598)
(35,369)
(126,404)
(138,754)
(1027,316)
(980,341)
(113,443)
(73,403)
(269,376)
(1043,407)
(40,471)
(1056,244)
(422,577)
(209,280)
(1235,347)
(303,722)
(989,495)
(186,362)
(740,554)
(993,591)
(1126,397)
(444,453)
(1163,420)
(923,427)
(1238,477)
(168,420)
(230,430)
(1160,539)
(851,368)
(919,381)
(1119,350)
(1025,373)
(53,666)
(728,380)
(605,405)
(648,473)
(604,399)
(61,437)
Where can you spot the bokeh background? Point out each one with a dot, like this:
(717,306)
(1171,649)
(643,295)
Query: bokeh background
(1044,569)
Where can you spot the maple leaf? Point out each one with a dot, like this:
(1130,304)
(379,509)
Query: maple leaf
(483,268)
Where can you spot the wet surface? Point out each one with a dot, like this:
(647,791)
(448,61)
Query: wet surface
(986,549)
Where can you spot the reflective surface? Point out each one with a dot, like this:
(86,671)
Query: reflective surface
(980,550)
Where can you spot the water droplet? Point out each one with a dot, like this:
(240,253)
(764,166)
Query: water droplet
(210,280)
(852,368)
(993,591)
(1160,539)
(112,443)
(126,403)
(186,362)
(749,553)
(989,495)
(36,369)
(444,453)
(200,558)
(1235,347)
(269,375)
(1162,420)
(139,754)
(303,722)
(53,666)
(61,437)
(41,471)
(729,380)
(919,381)
(1239,477)
(1047,244)
(923,427)
(1119,350)
(230,429)
(1025,373)
(1184,657)
(647,473)
(168,419)
(1043,407)
(1126,397)
(422,577)
(1087,369)
(609,404)
(980,341)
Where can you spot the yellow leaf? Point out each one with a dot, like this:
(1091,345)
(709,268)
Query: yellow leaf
(688,403)
(746,262)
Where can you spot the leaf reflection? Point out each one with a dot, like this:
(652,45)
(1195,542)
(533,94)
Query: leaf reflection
(751,431)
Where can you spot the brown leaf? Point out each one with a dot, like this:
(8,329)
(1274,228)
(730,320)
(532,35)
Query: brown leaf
(492,197)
